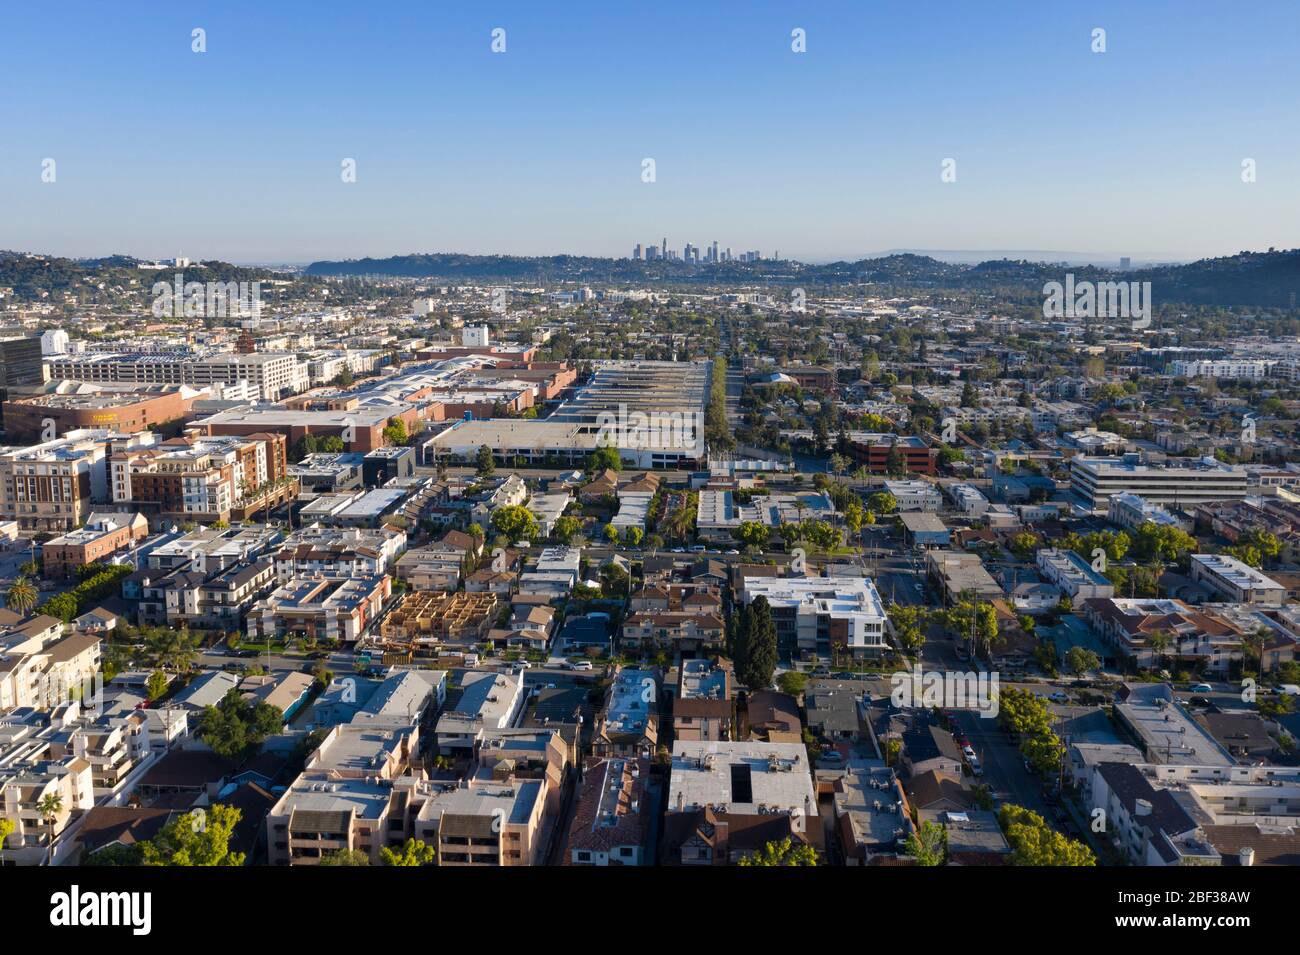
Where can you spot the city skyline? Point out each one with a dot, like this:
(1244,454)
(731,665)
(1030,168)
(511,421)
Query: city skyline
(837,152)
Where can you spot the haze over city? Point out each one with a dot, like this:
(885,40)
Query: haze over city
(833,153)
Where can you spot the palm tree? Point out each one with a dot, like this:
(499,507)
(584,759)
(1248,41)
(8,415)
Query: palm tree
(49,807)
(1159,643)
(21,596)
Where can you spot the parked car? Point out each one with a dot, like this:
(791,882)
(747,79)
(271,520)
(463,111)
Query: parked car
(1060,697)
(1202,688)
(580,665)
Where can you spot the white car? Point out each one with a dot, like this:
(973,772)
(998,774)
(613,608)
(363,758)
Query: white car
(1289,689)
(969,752)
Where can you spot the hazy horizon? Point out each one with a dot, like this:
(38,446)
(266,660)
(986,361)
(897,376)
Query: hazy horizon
(835,153)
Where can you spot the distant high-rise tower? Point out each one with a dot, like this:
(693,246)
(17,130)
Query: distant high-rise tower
(244,345)
(636,251)
(1125,262)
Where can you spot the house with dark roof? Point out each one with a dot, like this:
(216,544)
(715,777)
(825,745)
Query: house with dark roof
(927,748)
(707,837)
(770,711)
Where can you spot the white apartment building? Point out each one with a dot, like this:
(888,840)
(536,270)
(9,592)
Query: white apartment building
(1131,511)
(1073,575)
(915,495)
(968,499)
(812,613)
(1236,581)
(1237,368)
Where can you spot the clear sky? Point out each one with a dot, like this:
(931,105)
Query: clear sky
(834,153)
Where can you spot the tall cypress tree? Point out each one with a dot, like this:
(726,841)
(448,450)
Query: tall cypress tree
(742,632)
(761,656)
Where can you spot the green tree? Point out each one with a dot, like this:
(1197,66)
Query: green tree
(515,522)
(21,596)
(198,838)
(784,852)
(752,534)
(486,463)
(792,682)
(236,728)
(928,844)
(412,853)
(761,651)
(611,533)
(882,502)
(566,528)
(1034,843)
(396,432)
(604,458)
(1081,660)
(49,806)
(634,536)
(156,685)
(349,857)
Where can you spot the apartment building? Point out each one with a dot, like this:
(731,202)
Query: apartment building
(199,479)
(968,499)
(338,552)
(53,486)
(1187,636)
(349,796)
(628,725)
(494,821)
(192,598)
(1236,581)
(674,630)
(702,704)
(328,609)
(102,536)
(727,799)
(1073,575)
(1162,815)
(489,701)
(812,614)
(915,495)
(611,819)
(1131,511)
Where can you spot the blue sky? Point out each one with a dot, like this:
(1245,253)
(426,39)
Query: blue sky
(834,153)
